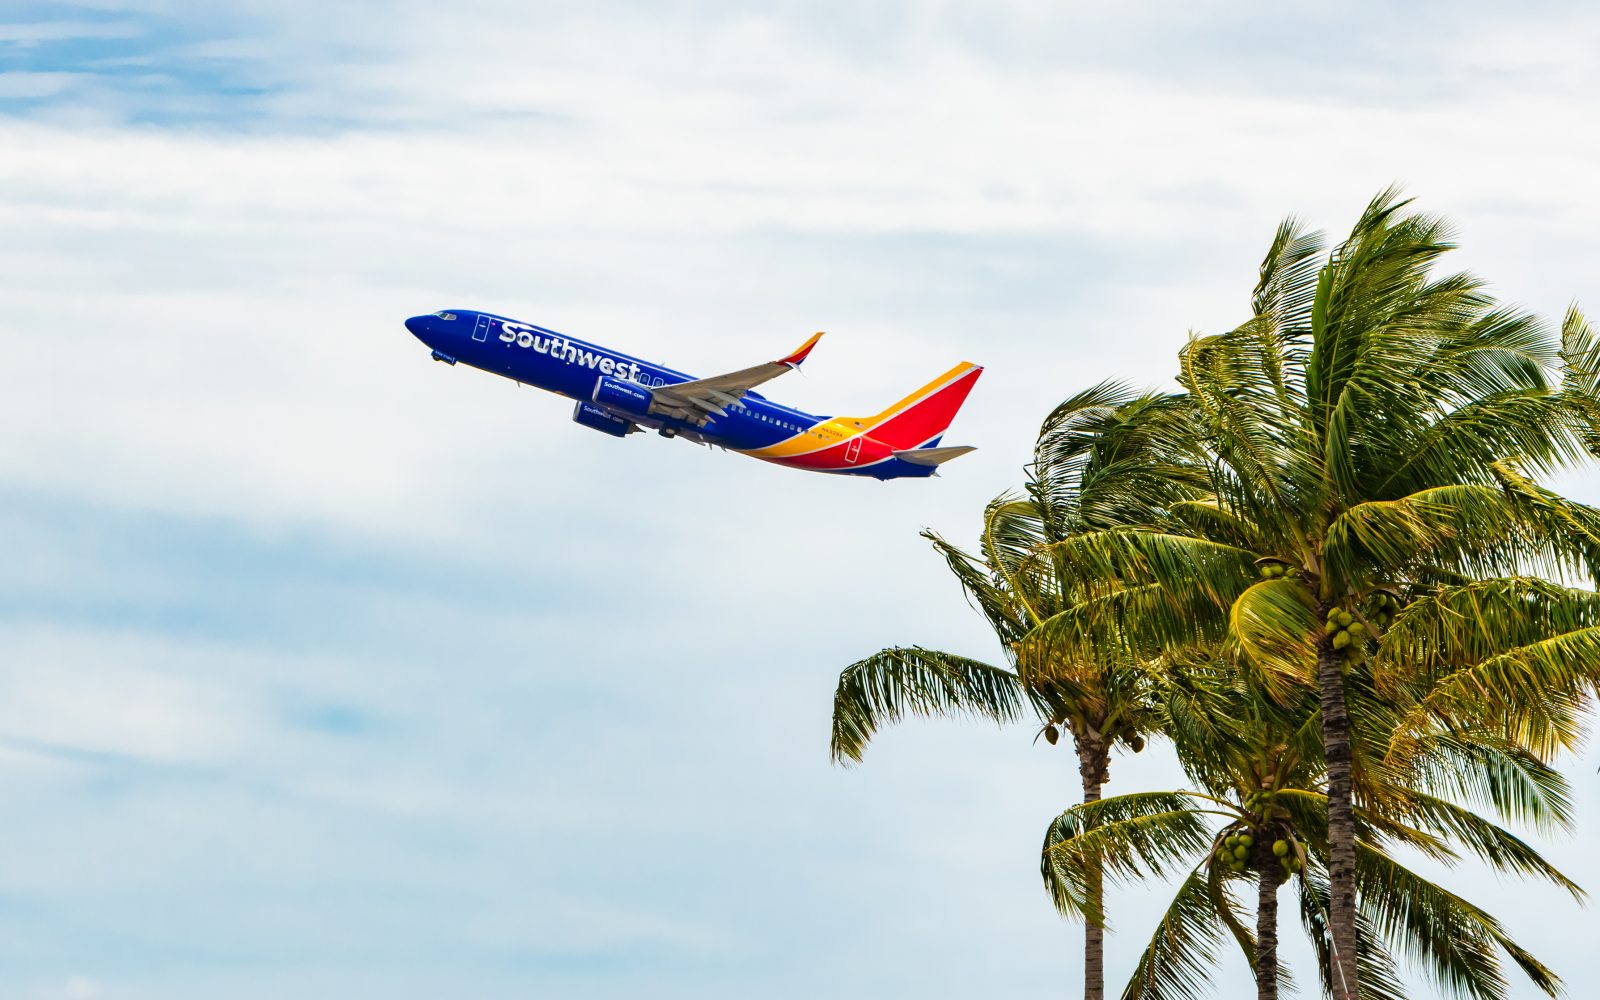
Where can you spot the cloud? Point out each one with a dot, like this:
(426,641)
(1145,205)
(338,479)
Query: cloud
(36,32)
(34,85)
(66,691)
(331,671)
(81,988)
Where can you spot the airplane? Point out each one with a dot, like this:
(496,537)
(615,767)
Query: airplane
(618,394)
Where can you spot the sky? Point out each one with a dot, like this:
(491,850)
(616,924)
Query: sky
(329,672)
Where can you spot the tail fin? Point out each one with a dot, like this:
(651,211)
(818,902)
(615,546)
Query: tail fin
(922,417)
(933,456)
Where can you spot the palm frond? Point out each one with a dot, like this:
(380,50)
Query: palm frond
(1457,943)
(1288,281)
(1485,768)
(1453,626)
(1497,847)
(1273,626)
(1175,964)
(1580,376)
(1098,561)
(1122,837)
(885,687)
(1464,442)
(991,595)
(1540,687)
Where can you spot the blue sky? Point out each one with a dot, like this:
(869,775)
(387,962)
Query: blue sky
(326,671)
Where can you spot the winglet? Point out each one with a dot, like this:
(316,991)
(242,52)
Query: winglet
(793,360)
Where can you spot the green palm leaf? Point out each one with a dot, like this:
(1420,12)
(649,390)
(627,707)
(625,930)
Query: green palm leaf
(1488,841)
(891,684)
(1175,964)
(1458,943)
(1123,837)
(1487,769)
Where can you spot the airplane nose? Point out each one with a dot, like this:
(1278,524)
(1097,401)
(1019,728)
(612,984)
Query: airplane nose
(417,325)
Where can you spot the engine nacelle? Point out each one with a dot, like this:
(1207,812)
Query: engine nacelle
(622,396)
(592,416)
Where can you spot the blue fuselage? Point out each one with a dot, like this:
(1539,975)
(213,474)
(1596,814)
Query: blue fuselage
(535,356)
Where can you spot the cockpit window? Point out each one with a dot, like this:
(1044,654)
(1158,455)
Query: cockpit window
(445,315)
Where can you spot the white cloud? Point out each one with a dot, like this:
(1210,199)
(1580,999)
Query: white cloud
(123,697)
(592,676)
(81,988)
(22,84)
(27,33)
(249,288)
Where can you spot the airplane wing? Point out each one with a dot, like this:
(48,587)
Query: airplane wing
(704,398)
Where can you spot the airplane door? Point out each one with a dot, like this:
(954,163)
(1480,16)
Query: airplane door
(852,451)
(481,331)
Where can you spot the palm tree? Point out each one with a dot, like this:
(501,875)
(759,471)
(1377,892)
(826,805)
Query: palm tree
(1257,767)
(1372,438)
(1102,458)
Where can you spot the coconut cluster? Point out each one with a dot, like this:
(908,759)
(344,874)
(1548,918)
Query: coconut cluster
(1346,631)
(1233,853)
(1289,858)
(1384,606)
(1235,850)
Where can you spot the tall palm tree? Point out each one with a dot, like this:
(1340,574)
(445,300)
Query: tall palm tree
(1257,767)
(1102,458)
(1373,437)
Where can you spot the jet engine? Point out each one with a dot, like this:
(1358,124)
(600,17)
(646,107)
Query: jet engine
(621,395)
(592,416)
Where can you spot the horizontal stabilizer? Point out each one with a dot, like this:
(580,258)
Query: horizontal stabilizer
(933,456)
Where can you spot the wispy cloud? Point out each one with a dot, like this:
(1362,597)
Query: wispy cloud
(328,671)
(36,32)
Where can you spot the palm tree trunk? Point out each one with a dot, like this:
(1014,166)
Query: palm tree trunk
(1092,761)
(1341,822)
(1267,931)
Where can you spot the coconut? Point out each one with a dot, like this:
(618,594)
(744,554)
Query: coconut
(1245,840)
(1240,853)
(1341,640)
(1280,848)
(1051,735)
(1345,618)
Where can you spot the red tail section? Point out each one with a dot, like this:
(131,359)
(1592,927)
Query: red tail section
(923,415)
